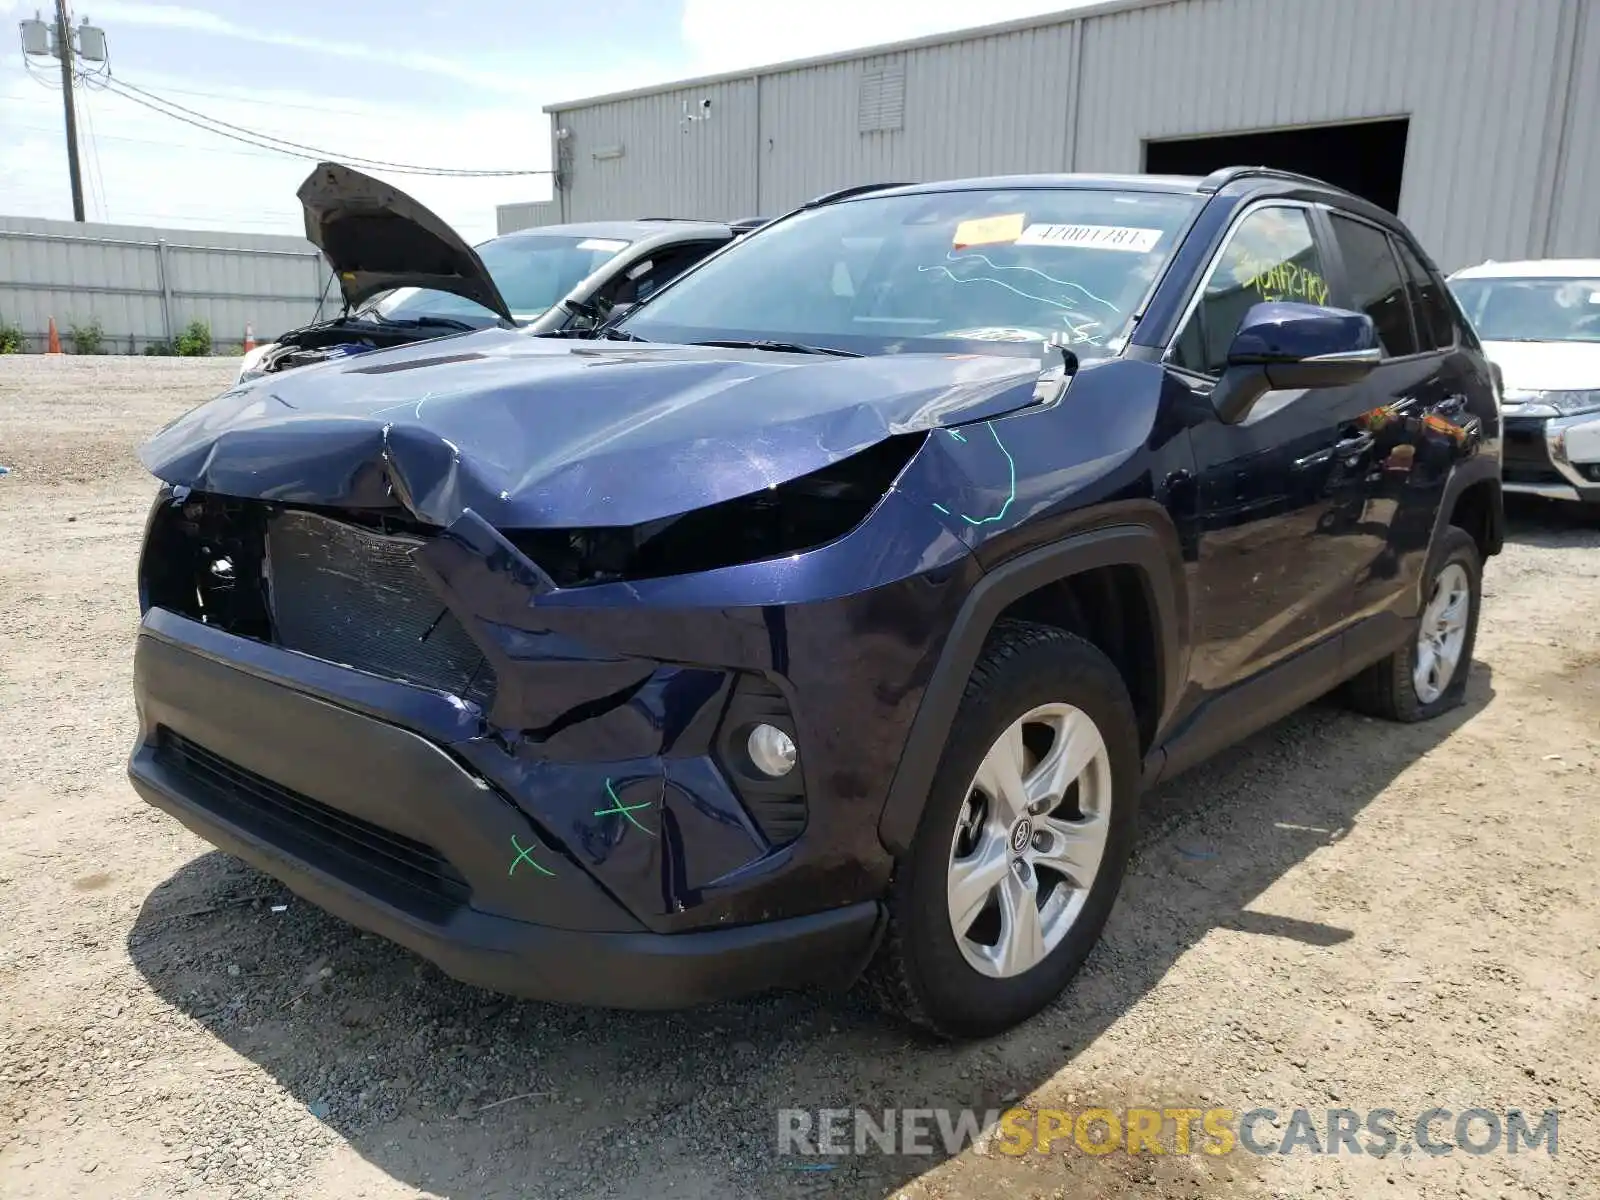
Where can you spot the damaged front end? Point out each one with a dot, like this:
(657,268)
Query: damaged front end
(574,649)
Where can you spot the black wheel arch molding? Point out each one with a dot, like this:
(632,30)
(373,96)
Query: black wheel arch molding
(1150,548)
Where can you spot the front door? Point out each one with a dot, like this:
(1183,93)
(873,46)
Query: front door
(1272,575)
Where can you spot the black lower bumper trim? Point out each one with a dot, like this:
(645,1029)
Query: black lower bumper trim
(612,970)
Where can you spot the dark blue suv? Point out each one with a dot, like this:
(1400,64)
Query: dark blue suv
(824,616)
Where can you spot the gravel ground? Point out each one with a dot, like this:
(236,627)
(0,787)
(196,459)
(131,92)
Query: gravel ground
(1340,912)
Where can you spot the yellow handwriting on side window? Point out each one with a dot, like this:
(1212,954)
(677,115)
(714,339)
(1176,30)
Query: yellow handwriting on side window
(1282,281)
(985,231)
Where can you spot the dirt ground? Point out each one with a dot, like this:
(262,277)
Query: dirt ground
(1339,913)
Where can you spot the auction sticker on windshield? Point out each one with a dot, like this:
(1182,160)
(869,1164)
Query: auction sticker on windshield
(1091,237)
(985,231)
(601,244)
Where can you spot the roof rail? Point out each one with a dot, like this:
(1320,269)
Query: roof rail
(667,218)
(1223,176)
(846,193)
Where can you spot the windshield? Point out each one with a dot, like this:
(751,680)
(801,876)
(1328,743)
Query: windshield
(882,273)
(532,271)
(1532,310)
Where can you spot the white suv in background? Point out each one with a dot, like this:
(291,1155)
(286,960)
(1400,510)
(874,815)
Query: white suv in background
(1540,322)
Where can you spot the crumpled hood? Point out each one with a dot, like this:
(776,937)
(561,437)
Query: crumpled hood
(532,432)
(1547,366)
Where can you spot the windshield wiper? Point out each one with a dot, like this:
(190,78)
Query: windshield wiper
(416,322)
(779,347)
(613,334)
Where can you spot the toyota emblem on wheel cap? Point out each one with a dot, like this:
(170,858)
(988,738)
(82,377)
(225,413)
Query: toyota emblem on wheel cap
(1021,836)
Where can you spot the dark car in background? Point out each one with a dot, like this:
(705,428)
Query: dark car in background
(824,615)
(405,276)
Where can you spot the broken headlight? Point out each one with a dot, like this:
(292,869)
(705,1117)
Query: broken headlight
(787,518)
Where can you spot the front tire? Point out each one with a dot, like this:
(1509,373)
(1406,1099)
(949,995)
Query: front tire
(1024,841)
(1428,675)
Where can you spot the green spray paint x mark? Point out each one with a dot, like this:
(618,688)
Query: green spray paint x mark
(525,855)
(626,810)
(1011,464)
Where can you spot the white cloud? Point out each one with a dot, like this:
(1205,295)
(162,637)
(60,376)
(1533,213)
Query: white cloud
(174,16)
(724,36)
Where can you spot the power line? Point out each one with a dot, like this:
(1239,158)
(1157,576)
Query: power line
(266,141)
(97,178)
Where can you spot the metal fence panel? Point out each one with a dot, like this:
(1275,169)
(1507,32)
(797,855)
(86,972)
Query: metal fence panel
(143,284)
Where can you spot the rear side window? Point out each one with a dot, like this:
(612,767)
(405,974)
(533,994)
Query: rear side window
(1270,256)
(1374,280)
(1436,328)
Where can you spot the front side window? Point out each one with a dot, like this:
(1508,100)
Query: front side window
(1375,284)
(920,272)
(1531,309)
(1270,256)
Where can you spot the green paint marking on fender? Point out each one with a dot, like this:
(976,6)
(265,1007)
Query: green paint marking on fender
(525,855)
(626,810)
(1011,465)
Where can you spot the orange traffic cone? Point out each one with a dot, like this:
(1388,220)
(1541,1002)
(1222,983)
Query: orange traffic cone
(55,339)
(249,338)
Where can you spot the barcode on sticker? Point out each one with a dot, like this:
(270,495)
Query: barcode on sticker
(1092,237)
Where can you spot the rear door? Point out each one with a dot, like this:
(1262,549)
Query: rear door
(1410,409)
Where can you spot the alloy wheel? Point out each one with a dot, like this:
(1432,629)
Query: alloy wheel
(1029,840)
(1442,634)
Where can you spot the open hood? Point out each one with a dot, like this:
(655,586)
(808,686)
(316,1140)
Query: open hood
(375,237)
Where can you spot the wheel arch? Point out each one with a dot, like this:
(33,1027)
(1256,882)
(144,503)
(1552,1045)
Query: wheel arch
(1150,552)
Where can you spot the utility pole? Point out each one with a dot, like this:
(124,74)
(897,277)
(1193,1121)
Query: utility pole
(43,39)
(64,40)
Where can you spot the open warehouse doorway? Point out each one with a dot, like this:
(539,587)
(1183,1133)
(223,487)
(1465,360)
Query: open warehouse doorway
(1364,157)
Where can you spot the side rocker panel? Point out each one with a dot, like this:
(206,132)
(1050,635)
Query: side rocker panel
(1138,546)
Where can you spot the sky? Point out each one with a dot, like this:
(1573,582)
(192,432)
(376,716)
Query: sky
(429,82)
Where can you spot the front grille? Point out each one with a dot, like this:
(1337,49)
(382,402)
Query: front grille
(412,876)
(1516,473)
(353,596)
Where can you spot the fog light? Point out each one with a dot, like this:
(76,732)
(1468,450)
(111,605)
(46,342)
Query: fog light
(771,750)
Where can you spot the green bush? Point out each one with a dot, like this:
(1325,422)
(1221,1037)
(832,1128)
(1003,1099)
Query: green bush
(195,340)
(87,338)
(12,340)
(158,350)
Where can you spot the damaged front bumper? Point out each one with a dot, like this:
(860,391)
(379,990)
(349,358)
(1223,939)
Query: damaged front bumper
(541,788)
(282,763)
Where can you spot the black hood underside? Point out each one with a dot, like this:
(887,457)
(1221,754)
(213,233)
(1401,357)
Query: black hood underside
(377,238)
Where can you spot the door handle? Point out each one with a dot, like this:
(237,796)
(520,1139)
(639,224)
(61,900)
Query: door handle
(1350,447)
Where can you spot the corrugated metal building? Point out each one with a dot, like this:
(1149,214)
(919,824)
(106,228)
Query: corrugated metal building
(1476,117)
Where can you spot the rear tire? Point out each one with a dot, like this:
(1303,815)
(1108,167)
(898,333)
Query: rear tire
(1054,705)
(1402,687)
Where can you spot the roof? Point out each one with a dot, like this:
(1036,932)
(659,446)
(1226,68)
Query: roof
(1183,184)
(1083,11)
(628,231)
(1534,268)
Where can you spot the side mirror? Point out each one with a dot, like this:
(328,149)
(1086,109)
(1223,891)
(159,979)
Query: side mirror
(1285,345)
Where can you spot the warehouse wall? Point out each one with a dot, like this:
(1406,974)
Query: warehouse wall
(1575,220)
(670,165)
(1488,86)
(145,284)
(1473,75)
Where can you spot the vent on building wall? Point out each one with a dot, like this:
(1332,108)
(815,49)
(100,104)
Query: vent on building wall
(882,100)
